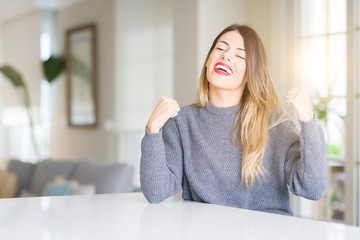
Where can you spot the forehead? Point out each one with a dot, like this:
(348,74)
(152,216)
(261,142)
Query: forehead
(233,38)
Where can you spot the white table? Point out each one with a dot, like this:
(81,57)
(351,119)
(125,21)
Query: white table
(129,216)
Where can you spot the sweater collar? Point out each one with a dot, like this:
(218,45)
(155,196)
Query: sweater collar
(222,110)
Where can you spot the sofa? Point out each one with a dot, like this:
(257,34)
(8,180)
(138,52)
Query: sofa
(54,178)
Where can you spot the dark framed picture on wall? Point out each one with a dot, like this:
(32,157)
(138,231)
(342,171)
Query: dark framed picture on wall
(81,74)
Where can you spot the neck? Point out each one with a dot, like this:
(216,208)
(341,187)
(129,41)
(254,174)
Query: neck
(224,98)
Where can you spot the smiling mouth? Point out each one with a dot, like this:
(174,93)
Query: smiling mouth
(223,69)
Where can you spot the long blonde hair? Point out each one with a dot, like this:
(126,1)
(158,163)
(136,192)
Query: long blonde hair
(260,107)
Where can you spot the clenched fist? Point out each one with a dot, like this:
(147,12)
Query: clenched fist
(299,98)
(165,109)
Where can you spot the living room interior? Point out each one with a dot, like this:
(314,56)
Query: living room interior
(144,49)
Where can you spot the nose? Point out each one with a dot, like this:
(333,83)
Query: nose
(226,56)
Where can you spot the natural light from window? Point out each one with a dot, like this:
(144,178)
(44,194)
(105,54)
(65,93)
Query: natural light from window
(322,68)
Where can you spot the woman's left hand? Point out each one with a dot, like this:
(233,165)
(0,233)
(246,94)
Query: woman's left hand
(299,98)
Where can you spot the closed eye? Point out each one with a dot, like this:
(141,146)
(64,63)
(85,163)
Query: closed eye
(240,56)
(218,48)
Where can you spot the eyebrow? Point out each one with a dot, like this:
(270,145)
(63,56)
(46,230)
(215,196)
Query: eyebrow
(227,44)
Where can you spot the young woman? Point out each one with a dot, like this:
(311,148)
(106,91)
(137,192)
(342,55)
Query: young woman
(236,146)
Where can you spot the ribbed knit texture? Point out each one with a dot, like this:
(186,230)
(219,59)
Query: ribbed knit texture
(194,152)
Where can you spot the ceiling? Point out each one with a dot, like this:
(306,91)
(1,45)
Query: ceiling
(11,9)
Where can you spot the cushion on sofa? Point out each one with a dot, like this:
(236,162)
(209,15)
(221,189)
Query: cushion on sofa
(8,184)
(81,189)
(61,186)
(46,171)
(24,172)
(56,189)
(107,178)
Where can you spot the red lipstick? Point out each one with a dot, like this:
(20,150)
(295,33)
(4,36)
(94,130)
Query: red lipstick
(223,69)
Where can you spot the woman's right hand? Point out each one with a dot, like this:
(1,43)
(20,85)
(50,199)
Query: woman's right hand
(165,109)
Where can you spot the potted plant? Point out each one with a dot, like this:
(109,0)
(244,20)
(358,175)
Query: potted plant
(52,68)
(17,81)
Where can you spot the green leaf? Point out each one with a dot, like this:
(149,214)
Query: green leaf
(13,75)
(16,79)
(53,67)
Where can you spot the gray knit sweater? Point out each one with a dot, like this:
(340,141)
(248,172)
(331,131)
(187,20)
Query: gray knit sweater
(194,152)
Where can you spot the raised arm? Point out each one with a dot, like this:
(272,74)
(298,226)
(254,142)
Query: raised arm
(306,167)
(165,109)
(161,168)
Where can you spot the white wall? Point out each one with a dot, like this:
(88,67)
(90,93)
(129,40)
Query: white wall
(282,47)
(185,50)
(20,39)
(21,50)
(1,45)
(3,142)
(77,143)
(144,60)
(10,10)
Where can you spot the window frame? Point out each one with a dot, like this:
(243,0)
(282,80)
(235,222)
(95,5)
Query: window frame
(352,138)
(352,121)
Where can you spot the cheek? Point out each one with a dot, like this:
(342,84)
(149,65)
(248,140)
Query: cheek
(208,66)
(208,61)
(211,58)
(207,72)
(242,67)
(241,72)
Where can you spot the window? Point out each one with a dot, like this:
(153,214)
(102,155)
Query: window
(47,47)
(356,82)
(322,66)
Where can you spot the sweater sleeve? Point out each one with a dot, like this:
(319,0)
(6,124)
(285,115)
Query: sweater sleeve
(305,164)
(161,167)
